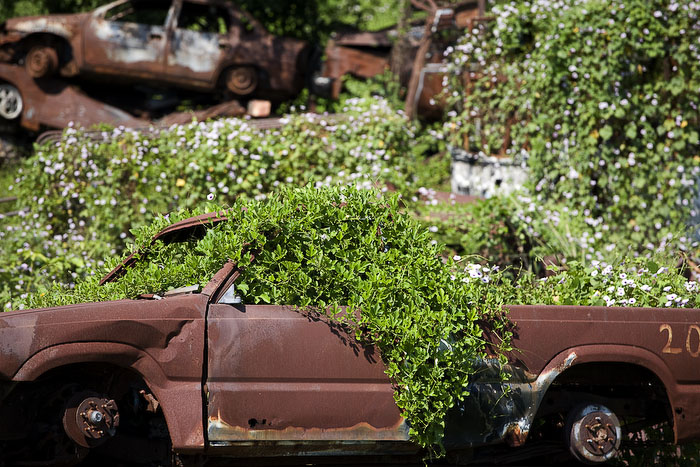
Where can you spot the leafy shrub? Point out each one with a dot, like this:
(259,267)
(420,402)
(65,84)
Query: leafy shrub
(324,248)
(636,282)
(486,228)
(81,197)
(601,100)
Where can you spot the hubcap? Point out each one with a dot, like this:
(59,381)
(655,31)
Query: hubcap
(10,102)
(242,80)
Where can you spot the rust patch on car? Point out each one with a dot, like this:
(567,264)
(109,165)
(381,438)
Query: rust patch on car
(219,429)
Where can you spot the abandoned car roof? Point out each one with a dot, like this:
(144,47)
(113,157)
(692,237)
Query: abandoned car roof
(175,232)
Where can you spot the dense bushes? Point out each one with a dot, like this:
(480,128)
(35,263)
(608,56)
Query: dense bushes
(83,196)
(601,100)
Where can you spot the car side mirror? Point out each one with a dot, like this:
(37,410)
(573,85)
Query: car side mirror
(229,297)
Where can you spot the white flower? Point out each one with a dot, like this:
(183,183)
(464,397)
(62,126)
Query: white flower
(620,291)
(645,288)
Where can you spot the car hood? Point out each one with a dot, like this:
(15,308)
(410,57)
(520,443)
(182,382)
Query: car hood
(62,25)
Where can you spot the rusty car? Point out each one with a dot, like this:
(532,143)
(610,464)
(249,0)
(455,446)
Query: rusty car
(205,45)
(196,374)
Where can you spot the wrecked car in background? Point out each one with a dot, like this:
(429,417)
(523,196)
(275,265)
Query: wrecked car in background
(197,373)
(202,45)
(205,45)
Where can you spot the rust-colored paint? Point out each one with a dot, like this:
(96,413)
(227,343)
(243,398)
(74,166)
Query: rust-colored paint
(52,103)
(648,337)
(198,44)
(367,54)
(342,60)
(162,340)
(266,383)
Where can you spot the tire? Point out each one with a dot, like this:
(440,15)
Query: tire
(593,433)
(242,80)
(41,61)
(11,103)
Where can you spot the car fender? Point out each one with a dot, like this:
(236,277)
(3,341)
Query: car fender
(64,26)
(181,401)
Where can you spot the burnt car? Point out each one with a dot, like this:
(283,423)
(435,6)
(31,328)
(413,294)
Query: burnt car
(197,373)
(203,45)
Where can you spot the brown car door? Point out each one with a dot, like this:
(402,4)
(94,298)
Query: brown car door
(280,375)
(128,39)
(200,40)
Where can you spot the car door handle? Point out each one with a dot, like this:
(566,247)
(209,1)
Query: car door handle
(224,44)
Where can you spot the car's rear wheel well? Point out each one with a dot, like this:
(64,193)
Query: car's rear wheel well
(609,380)
(43,407)
(633,393)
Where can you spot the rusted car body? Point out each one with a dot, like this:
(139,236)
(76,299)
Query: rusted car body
(259,382)
(368,54)
(206,45)
(53,104)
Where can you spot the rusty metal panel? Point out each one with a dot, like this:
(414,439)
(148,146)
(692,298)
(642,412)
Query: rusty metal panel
(163,340)
(672,335)
(276,374)
(54,104)
(666,341)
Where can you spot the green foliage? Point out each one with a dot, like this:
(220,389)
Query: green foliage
(316,20)
(601,100)
(12,9)
(486,228)
(81,197)
(320,249)
(632,282)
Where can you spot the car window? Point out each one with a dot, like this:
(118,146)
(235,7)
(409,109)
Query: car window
(203,18)
(151,12)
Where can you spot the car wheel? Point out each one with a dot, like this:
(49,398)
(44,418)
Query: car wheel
(89,419)
(241,80)
(10,102)
(593,433)
(42,60)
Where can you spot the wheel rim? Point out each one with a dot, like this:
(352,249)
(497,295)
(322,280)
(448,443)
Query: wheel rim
(41,61)
(595,434)
(242,80)
(10,102)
